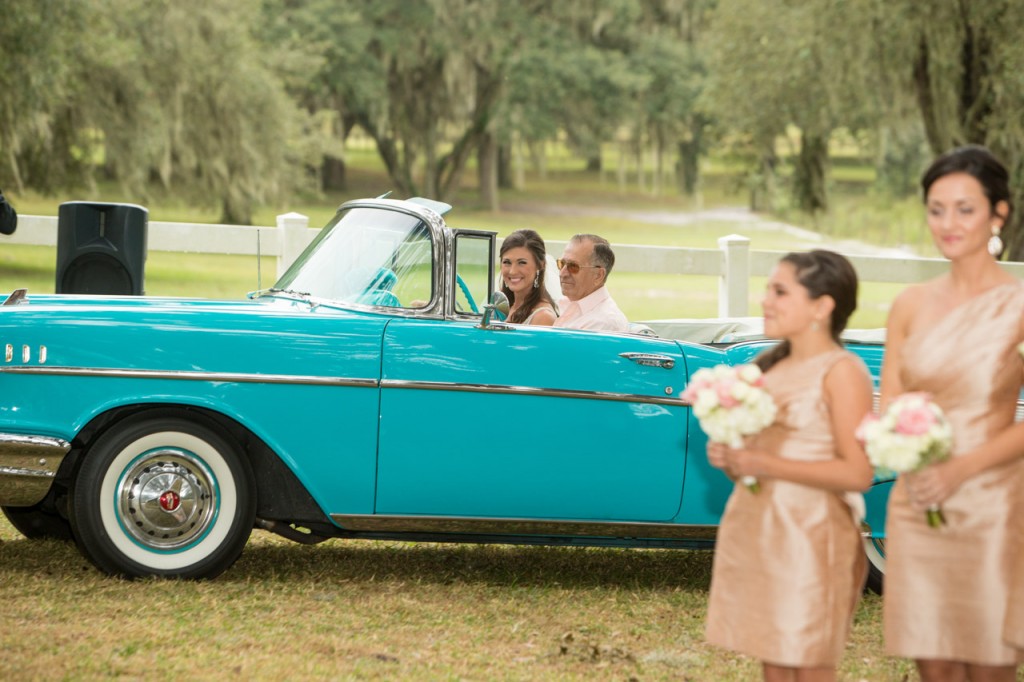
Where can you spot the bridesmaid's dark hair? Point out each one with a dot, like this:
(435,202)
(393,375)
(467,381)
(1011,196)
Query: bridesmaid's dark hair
(535,244)
(822,273)
(979,163)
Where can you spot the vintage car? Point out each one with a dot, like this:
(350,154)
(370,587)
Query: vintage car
(371,393)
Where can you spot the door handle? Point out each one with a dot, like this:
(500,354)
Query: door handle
(650,359)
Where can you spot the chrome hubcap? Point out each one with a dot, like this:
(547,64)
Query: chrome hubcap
(166,499)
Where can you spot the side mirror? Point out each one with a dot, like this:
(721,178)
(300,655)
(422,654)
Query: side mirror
(497,308)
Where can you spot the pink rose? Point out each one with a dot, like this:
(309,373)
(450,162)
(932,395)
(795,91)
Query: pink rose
(915,421)
(725,396)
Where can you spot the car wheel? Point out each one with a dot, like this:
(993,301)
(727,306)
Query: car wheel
(875,549)
(37,523)
(163,496)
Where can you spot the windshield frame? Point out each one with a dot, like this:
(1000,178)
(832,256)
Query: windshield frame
(436,230)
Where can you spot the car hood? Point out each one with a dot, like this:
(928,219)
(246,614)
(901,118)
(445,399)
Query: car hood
(266,335)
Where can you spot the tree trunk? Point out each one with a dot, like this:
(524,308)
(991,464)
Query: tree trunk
(659,165)
(621,171)
(235,212)
(449,168)
(689,159)
(538,154)
(487,170)
(518,165)
(333,174)
(809,191)
(505,176)
(762,180)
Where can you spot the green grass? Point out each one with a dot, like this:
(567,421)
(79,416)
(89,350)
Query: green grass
(371,610)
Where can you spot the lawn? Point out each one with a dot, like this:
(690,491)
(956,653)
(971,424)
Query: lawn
(375,610)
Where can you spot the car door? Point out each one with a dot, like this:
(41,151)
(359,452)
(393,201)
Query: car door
(529,422)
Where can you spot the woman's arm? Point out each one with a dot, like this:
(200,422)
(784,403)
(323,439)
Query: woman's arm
(543,317)
(895,333)
(934,484)
(848,394)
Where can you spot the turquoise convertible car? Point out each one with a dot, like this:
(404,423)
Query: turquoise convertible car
(358,398)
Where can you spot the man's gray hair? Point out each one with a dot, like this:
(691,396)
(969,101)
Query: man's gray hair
(603,254)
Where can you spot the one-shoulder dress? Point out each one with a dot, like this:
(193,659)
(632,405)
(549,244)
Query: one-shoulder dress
(789,564)
(946,589)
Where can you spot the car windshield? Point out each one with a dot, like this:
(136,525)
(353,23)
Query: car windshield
(368,256)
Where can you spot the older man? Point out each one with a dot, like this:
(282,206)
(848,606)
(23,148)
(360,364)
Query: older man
(583,270)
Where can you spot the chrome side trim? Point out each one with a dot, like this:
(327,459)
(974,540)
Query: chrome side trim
(28,465)
(223,377)
(532,390)
(395,523)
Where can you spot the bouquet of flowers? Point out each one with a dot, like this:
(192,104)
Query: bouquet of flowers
(730,403)
(911,434)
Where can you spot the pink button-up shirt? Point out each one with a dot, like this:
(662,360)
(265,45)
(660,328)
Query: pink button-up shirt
(596,311)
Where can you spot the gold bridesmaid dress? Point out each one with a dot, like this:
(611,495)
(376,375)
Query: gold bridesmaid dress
(789,564)
(946,589)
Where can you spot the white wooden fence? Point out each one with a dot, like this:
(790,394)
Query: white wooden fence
(733,262)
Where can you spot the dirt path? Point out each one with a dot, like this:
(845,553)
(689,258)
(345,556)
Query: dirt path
(745,220)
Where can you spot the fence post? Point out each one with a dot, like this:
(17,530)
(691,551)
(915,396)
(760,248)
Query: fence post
(292,227)
(734,284)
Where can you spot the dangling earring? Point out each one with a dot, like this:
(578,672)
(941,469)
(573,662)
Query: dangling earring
(815,326)
(536,280)
(995,244)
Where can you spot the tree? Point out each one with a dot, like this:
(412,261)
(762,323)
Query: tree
(963,62)
(776,64)
(191,107)
(38,134)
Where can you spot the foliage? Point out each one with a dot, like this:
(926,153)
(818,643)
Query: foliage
(243,105)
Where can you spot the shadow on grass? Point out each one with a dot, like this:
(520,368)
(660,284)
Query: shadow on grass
(267,559)
(495,565)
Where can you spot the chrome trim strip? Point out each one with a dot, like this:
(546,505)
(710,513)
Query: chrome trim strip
(28,465)
(224,377)
(532,390)
(396,523)
(243,378)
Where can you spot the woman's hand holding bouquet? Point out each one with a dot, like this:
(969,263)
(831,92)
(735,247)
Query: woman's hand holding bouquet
(730,403)
(911,434)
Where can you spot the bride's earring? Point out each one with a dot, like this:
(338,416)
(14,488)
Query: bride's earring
(536,280)
(995,243)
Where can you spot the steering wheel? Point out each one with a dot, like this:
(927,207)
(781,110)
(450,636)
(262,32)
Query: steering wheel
(465,290)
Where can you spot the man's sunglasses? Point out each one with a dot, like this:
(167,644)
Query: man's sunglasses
(572,266)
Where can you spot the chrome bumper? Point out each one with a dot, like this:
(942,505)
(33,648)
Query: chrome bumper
(28,465)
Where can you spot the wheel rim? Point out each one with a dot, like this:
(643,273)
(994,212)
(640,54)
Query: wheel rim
(166,499)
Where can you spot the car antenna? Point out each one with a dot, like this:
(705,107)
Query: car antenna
(386,194)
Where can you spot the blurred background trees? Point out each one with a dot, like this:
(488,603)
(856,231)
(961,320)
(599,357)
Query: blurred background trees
(242,104)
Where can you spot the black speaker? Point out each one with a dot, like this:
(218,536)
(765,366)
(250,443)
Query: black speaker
(101,248)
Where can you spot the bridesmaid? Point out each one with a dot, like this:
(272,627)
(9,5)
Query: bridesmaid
(956,338)
(789,564)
